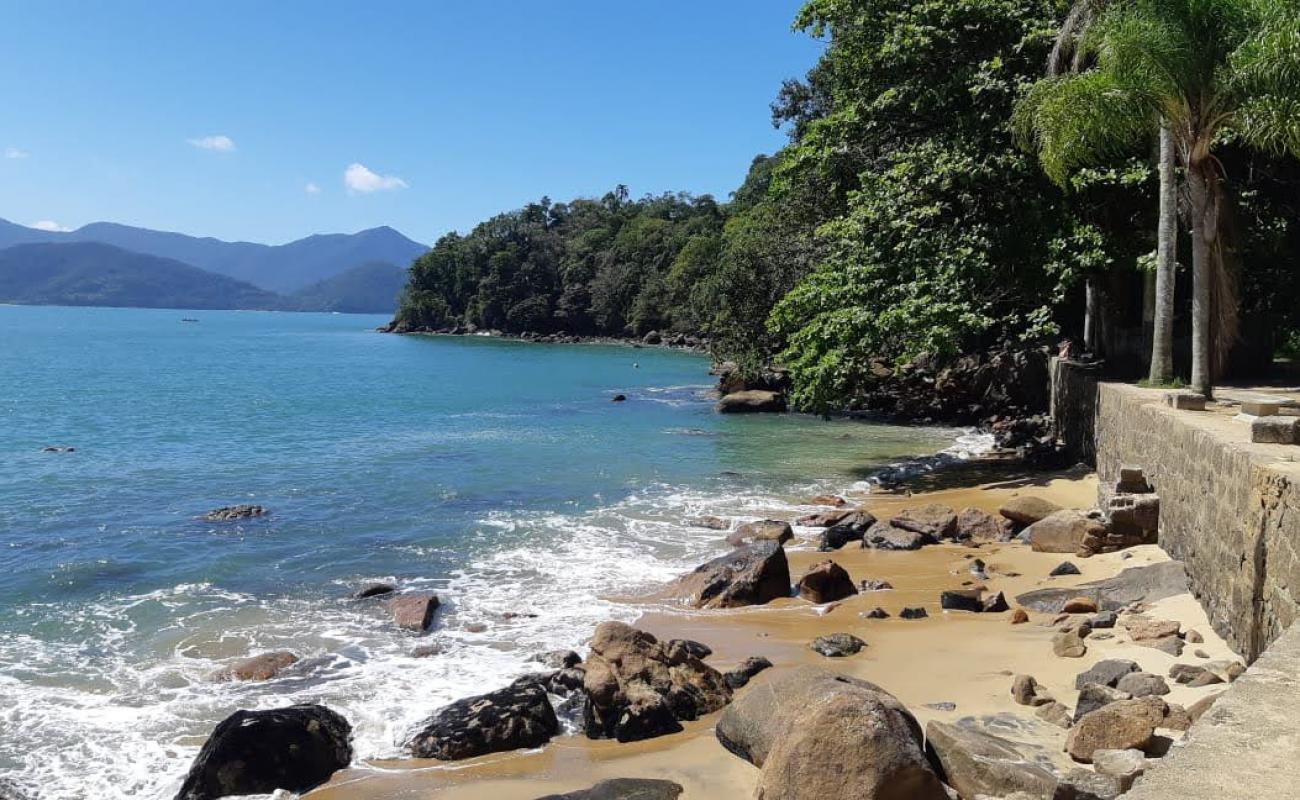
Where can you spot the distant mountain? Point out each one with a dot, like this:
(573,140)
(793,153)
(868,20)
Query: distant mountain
(368,289)
(280,268)
(93,274)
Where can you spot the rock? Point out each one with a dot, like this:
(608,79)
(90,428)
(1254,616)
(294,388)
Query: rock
(1196,710)
(1080,605)
(558,659)
(677,648)
(1149,583)
(762,531)
(1019,617)
(230,513)
(819,735)
(710,522)
(871,585)
(915,612)
(1068,644)
(1063,532)
(638,689)
(748,668)
(1125,765)
(1104,619)
(1094,696)
(1028,509)
(1186,673)
(414,611)
(373,590)
(883,536)
(1055,713)
(932,520)
(1275,430)
(1145,630)
(1122,725)
(1084,784)
(750,575)
(825,583)
(1064,568)
(995,603)
(975,762)
(961,600)
(1193,637)
(1023,689)
(427,650)
(1143,684)
(824,519)
(257,752)
(258,668)
(1176,718)
(875,613)
(981,526)
(837,645)
(1205,678)
(475,627)
(1199,653)
(751,401)
(1228,671)
(515,717)
(624,789)
(1106,673)
(850,529)
(1168,644)
(619,398)
(832,500)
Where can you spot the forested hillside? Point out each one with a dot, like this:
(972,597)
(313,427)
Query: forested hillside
(906,216)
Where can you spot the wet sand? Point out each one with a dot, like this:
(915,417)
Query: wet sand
(954,658)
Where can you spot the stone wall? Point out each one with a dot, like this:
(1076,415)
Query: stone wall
(1073,406)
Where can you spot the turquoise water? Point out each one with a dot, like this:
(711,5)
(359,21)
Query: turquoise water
(498,473)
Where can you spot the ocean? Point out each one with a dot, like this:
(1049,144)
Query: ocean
(499,474)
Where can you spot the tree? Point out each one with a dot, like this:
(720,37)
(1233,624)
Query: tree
(1212,71)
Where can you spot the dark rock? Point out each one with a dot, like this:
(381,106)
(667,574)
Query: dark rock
(624,789)
(837,645)
(373,590)
(875,613)
(1104,619)
(619,398)
(751,401)
(558,659)
(849,529)
(932,520)
(1149,583)
(1106,672)
(979,763)
(261,667)
(825,583)
(637,688)
(874,585)
(414,611)
(913,613)
(231,513)
(995,603)
(1094,696)
(748,668)
(1064,568)
(515,717)
(750,575)
(883,536)
(677,647)
(257,752)
(961,600)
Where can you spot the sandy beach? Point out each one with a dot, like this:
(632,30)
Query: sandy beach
(945,667)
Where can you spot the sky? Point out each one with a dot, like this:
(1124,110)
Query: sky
(269,121)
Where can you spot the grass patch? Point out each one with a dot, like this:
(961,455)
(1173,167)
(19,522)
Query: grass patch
(1174,383)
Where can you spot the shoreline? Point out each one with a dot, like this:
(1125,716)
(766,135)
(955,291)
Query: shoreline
(948,658)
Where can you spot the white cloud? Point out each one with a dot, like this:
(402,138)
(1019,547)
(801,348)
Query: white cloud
(49,225)
(359,178)
(221,144)
(311,188)
(14,152)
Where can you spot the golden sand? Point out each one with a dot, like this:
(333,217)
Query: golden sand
(948,658)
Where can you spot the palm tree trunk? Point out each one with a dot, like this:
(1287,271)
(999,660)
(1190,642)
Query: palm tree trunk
(1203,227)
(1162,333)
(1091,312)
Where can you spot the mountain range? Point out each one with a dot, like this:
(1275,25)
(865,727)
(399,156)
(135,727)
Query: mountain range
(360,272)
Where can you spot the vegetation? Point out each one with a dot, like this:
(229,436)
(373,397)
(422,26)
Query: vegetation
(906,216)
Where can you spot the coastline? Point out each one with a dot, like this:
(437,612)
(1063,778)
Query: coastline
(948,658)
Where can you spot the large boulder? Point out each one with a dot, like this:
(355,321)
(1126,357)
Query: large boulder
(750,575)
(261,667)
(825,583)
(981,526)
(624,789)
(1148,584)
(933,520)
(257,752)
(975,762)
(512,718)
(751,401)
(414,611)
(1063,532)
(1028,509)
(883,536)
(1122,725)
(638,688)
(818,735)
(762,531)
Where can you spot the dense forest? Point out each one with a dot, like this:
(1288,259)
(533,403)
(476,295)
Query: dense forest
(919,208)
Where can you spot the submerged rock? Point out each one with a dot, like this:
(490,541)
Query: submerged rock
(750,575)
(515,717)
(373,590)
(261,667)
(230,513)
(257,752)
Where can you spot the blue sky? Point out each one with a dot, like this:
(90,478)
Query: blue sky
(241,119)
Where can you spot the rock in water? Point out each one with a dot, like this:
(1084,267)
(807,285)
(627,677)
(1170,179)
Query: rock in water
(825,583)
(821,736)
(749,575)
(257,752)
(638,689)
(373,590)
(1027,509)
(230,513)
(976,762)
(933,520)
(837,645)
(515,717)
(258,668)
(624,789)
(751,401)
(414,611)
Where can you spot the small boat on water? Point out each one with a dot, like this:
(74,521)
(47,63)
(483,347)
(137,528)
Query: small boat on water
(188,319)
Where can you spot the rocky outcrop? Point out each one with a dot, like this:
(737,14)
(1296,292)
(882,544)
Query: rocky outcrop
(750,575)
(233,513)
(261,667)
(825,583)
(624,789)
(975,762)
(638,689)
(751,401)
(515,717)
(1149,583)
(414,611)
(257,752)
(821,736)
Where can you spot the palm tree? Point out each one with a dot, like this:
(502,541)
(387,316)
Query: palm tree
(1208,70)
